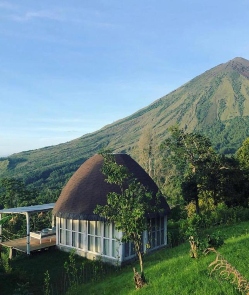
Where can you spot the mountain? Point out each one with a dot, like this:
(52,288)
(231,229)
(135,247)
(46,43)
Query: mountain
(215,103)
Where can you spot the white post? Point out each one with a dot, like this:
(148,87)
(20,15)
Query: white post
(52,220)
(120,250)
(28,233)
(0,228)
(145,241)
(165,230)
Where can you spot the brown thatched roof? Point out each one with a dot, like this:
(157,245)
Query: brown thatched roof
(88,188)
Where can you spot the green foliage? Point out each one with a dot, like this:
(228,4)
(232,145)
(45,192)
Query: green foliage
(5,262)
(71,270)
(13,193)
(243,154)
(129,208)
(22,289)
(47,287)
(193,158)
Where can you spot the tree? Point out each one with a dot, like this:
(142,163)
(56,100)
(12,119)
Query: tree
(243,154)
(127,209)
(13,193)
(192,155)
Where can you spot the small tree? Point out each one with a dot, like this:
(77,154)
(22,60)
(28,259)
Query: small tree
(127,209)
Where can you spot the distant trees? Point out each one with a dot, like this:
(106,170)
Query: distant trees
(14,193)
(200,171)
(147,153)
(243,154)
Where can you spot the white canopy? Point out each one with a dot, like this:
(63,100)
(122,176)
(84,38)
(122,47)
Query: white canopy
(27,211)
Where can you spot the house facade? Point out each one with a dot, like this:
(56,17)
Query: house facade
(90,235)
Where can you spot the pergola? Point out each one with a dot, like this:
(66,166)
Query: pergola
(27,211)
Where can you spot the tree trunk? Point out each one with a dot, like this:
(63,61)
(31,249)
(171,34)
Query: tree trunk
(139,279)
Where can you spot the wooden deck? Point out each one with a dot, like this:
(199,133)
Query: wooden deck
(35,245)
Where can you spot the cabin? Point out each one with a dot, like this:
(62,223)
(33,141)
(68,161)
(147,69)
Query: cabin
(90,235)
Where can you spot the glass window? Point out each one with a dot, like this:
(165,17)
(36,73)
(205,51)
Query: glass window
(81,241)
(115,248)
(107,230)
(156,232)
(74,225)
(68,224)
(90,243)
(67,237)
(129,249)
(97,245)
(106,250)
(91,227)
(62,236)
(94,236)
(81,225)
(98,228)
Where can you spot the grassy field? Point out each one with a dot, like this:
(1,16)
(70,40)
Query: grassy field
(172,271)
(168,271)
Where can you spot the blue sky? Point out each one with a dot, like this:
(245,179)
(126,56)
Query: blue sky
(68,68)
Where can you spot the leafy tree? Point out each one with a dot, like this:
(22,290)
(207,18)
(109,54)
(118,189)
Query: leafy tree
(243,154)
(13,193)
(127,209)
(201,172)
(193,157)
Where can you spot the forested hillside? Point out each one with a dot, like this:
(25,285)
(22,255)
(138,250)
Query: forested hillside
(215,104)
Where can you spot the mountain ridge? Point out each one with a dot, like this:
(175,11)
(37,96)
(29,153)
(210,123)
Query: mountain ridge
(211,103)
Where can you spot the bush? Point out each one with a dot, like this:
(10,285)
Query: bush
(180,231)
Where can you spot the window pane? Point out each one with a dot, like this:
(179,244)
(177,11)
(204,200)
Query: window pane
(80,236)
(162,236)
(62,237)
(153,224)
(91,227)
(106,247)
(132,249)
(106,230)
(97,245)
(68,223)
(158,238)
(98,228)
(90,243)
(153,237)
(162,222)
(114,232)
(127,249)
(81,226)
(114,248)
(74,225)
(74,239)
(62,223)
(67,237)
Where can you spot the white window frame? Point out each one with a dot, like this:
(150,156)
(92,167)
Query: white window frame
(78,234)
(157,232)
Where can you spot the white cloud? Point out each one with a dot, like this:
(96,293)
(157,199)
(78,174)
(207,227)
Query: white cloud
(42,14)
(7,5)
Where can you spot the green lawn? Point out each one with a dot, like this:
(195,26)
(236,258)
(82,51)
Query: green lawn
(168,271)
(172,271)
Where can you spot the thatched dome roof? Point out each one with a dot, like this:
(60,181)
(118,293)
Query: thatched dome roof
(88,188)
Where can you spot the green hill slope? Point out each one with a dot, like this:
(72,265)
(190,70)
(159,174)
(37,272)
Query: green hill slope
(168,271)
(216,104)
(172,271)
